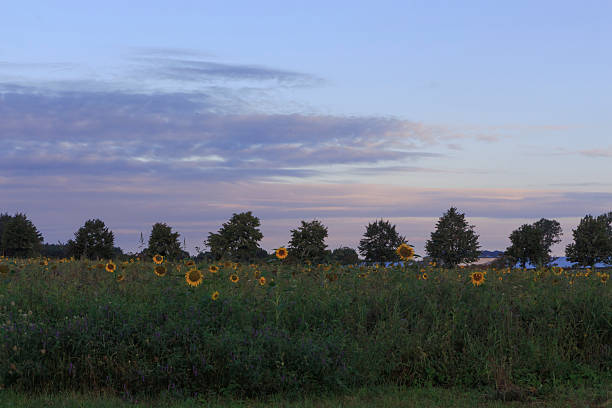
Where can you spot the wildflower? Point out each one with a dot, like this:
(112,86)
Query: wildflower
(158,259)
(281,253)
(194,277)
(234,278)
(405,251)
(215,295)
(111,267)
(477,278)
(160,270)
(262,280)
(213,269)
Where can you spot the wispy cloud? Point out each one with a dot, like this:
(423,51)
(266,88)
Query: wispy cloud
(598,152)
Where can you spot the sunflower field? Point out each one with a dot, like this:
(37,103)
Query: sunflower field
(148,327)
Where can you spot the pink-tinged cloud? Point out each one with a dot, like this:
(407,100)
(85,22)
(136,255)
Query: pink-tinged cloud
(599,152)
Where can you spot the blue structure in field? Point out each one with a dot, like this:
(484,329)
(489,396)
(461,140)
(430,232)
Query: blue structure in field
(563,263)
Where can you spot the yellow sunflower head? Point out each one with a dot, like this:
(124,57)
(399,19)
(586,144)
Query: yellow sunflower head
(604,277)
(281,253)
(262,280)
(111,267)
(158,259)
(478,278)
(160,270)
(215,295)
(425,276)
(234,278)
(194,277)
(189,263)
(405,251)
(213,269)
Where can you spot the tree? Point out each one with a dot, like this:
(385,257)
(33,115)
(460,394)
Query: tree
(380,242)
(453,241)
(92,241)
(20,238)
(4,218)
(345,256)
(531,243)
(164,242)
(238,239)
(308,242)
(592,241)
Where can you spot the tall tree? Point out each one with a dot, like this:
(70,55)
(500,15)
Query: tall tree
(592,241)
(164,242)
(20,238)
(531,243)
(380,242)
(92,241)
(454,240)
(4,218)
(238,239)
(308,242)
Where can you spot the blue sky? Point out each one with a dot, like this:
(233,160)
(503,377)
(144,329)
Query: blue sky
(347,112)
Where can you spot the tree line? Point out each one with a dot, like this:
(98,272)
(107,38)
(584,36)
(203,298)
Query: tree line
(453,242)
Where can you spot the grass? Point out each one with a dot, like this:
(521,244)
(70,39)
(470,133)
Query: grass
(381,396)
(73,327)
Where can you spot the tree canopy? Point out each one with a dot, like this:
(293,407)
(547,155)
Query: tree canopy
(454,240)
(237,239)
(380,242)
(92,241)
(308,242)
(164,242)
(531,243)
(18,236)
(592,241)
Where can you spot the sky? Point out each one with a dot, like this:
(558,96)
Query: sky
(186,112)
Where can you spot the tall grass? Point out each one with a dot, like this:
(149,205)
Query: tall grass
(73,327)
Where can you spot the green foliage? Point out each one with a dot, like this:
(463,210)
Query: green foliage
(237,240)
(345,256)
(19,238)
(532,242)
(57,251)
(308,242)
(77,329)
(592,241)
(164,242)
(92,241)
(453,241)
(380,242)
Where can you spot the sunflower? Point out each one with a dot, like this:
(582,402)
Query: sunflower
(215,295)
(120,277)
(189,263)
(111,267)
(160,270)
(213,269)
(604,277)
(158,259)
(234,278)
(281,253)
(262,281)
(194,277)
(405,251)
(477,278)
(424,276)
